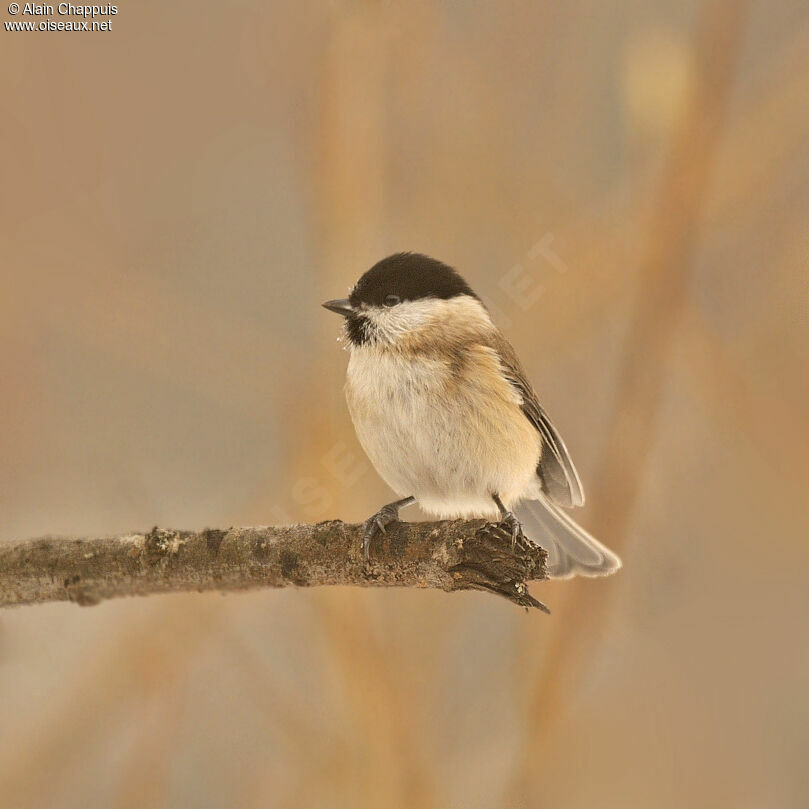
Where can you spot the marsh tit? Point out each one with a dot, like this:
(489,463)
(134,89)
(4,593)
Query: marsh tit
(444,411)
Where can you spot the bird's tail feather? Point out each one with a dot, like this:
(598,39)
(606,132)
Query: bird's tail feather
(571,550)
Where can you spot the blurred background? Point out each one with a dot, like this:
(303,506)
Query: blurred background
(627,185)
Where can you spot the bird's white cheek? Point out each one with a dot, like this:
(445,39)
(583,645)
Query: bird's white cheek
(401,319)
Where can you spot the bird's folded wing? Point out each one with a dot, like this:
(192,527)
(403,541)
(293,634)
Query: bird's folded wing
(559,477)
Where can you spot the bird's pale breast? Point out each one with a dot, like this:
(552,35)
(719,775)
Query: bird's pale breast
(450,432)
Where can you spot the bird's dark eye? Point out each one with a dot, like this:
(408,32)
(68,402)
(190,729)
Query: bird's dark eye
(391,300)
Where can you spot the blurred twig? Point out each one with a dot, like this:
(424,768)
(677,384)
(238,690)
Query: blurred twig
(445,555)
(663,289)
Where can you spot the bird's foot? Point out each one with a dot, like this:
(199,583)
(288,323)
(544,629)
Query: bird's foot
(380,521)
(511,524)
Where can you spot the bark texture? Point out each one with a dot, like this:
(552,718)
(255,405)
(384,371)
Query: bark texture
(448,555)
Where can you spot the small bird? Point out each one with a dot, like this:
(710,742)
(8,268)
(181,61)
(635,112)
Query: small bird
(444,411)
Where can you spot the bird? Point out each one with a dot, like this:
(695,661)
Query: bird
(444,411)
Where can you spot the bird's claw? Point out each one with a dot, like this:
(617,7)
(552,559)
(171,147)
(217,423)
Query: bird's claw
(377,524)
(513,525)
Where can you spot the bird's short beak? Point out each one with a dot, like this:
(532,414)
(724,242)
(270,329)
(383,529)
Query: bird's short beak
(341,306)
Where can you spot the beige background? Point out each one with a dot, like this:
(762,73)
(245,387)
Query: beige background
(179,195)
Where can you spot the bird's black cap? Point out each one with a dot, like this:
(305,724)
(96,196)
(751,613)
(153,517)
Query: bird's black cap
(409,276)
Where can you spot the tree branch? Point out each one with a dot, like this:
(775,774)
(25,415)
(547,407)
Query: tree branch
(458,555)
